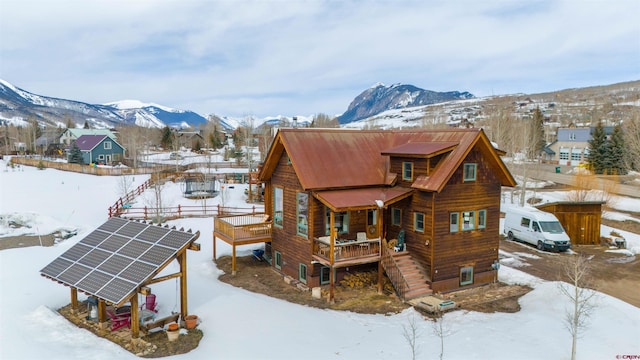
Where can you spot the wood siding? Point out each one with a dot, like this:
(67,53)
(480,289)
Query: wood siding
(581,221)
(294,249)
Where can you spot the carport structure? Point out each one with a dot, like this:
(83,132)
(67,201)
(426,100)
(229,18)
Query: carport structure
(120,259)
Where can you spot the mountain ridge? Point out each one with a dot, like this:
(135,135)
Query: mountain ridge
(380,98)
(18,105)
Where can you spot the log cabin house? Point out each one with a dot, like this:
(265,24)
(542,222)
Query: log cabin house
(333,197)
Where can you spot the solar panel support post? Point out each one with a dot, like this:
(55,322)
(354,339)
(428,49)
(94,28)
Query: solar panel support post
(135,323)
(182,260)
(74,300)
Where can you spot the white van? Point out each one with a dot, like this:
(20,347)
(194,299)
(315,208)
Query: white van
(536,227)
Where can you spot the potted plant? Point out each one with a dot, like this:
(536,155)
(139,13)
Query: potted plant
(173,331)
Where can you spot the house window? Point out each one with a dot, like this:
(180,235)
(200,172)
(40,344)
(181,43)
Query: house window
(100,157)
(303,202)
(466,275)
(324,275)
(302,273)
(341,222)
(454,221)
(482,219)
(396,216)
(469,172)
(418,222)
(407,171)
(278,261)
(468,220)
(277,207)
(107,145)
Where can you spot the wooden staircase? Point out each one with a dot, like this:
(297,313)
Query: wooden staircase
(407,275)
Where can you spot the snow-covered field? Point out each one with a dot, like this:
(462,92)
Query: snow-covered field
(238,324)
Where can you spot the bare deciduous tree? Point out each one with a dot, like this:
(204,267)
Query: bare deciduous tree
(580,295)
(411,333)
(441,330)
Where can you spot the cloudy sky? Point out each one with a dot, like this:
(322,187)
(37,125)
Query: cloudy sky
(239,58)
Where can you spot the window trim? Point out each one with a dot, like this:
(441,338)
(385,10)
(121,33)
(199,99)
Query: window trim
(302,279)
(109,147)
(393,216)
(483,224)
(465,173)
(278,220)
(463,270)
(328,270)
(457,224)
(277,261)
(299,225)
(404,170)
(415,222)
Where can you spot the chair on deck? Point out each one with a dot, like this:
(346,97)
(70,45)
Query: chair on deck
(400,244)
(119,320)
(150,303)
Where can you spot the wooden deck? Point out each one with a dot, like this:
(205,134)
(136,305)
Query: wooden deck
(346,253)
(242,229)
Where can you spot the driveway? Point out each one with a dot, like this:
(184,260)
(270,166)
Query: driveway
(614,274)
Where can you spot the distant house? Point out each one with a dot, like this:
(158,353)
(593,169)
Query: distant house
(69,135)
(423,205)
(100,149)
(572,146)
(189,139)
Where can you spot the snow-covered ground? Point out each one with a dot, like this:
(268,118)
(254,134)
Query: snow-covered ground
(238,324)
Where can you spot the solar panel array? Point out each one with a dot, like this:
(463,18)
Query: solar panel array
(117,257)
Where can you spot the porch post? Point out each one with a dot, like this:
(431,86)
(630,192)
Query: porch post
(233,259)
(381,234)
(214,246)
(332,247)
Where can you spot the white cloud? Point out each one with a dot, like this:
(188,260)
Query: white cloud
(286,57)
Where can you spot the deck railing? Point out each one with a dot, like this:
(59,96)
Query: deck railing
(347,250)
(243,227)
(393,272)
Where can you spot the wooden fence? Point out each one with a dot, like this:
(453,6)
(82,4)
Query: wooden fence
(87,169)
(180,211)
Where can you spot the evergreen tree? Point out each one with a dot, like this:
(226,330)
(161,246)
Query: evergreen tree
(597,149)
(538,132)
(86,125)
(167,138)
(615,163)
(75,155)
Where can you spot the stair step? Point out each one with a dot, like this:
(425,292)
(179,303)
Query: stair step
(416,293)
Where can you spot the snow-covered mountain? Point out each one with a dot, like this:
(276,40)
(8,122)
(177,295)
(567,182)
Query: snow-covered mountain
(18,106)
(379,98)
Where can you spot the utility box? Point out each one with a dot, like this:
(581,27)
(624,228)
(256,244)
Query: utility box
(434,305)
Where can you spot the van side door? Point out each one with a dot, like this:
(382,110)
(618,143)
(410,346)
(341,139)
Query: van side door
(527,233)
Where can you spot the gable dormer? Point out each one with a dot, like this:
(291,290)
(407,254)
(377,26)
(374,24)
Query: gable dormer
(416,159)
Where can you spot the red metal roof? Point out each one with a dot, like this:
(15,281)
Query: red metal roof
(340,158)
(363,198)
(421,149)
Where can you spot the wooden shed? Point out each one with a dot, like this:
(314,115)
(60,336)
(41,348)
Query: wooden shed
(581,220)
